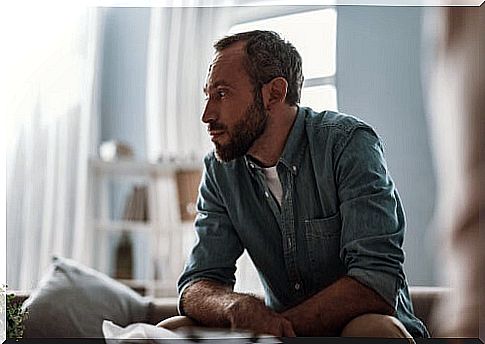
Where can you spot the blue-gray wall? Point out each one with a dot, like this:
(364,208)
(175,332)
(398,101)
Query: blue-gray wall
(123,107)
(379,80)
(124,76)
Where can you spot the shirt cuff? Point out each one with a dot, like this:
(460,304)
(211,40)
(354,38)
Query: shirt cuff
(181,293)
(384,284)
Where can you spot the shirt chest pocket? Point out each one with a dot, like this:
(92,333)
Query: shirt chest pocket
(323,241)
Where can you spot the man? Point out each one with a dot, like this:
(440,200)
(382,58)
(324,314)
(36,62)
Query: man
(306,194)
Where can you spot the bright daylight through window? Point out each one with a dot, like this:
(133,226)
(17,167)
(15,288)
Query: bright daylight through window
(314,35)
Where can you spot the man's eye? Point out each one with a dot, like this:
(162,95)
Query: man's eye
(221,93)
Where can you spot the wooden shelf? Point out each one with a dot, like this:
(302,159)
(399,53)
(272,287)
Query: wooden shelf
(141,168)
(163,223)
(123,225)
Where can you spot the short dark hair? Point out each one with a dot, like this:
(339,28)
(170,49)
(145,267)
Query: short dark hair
(269,56)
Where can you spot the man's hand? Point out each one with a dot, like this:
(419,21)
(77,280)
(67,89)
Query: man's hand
(249,313)
(215,305)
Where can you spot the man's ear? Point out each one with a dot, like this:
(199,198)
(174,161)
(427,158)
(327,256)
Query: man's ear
(274,92)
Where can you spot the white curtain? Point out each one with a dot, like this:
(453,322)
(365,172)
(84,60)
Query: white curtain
(179,53)
(51,121)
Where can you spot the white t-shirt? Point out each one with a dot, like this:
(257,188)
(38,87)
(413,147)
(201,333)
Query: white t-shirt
(274,184)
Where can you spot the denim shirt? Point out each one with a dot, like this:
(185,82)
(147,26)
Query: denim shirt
(340,215)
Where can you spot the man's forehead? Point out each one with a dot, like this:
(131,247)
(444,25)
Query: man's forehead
(226,64)
(236,50)
(230,56)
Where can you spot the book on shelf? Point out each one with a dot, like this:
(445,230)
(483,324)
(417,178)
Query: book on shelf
(136,209)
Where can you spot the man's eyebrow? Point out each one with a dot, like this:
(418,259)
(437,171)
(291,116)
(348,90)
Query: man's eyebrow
(218,83)
(221,83)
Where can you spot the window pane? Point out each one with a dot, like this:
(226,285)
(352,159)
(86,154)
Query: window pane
(312,33)
(319,98)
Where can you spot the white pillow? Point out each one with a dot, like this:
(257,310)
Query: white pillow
(72,300)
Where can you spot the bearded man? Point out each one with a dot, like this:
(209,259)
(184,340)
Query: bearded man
(307,194)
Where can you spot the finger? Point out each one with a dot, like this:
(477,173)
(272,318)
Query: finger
(175,322)
(276,331)
(288,329)
(281,329)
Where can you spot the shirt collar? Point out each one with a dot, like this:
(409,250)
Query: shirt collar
(294,147)
(295,144)
(251,165)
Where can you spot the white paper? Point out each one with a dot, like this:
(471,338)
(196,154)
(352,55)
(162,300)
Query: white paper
(140,332)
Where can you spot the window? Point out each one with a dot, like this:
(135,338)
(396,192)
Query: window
(313,34)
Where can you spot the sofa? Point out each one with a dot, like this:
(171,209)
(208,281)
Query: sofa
(72,300)
(424,299)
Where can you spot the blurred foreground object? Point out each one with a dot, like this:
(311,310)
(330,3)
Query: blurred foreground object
(457,118)
(114,150)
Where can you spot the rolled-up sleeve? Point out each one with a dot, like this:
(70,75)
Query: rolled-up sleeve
(217,245)
(373,222)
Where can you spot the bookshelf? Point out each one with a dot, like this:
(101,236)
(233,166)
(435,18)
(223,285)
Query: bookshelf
(171,189)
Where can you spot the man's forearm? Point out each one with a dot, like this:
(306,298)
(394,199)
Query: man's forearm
(216,305)
(327,313)
(210,303)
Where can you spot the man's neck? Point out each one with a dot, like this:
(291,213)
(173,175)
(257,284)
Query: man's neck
(268,148)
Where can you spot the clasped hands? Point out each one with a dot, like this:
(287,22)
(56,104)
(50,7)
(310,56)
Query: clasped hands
(253,315)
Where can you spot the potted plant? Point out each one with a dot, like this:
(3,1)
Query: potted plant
(14,315)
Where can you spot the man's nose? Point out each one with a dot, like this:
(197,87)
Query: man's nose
(209,115)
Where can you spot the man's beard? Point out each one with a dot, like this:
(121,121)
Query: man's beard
(244,132)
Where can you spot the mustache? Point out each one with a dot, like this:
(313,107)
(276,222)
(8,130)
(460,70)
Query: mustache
(216,126)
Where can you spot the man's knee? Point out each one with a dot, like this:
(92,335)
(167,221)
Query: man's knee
(375,325)
(177,322)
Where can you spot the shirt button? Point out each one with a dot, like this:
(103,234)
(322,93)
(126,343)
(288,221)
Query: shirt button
(251,165)
(294,168)
(297,286)
(266,194)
